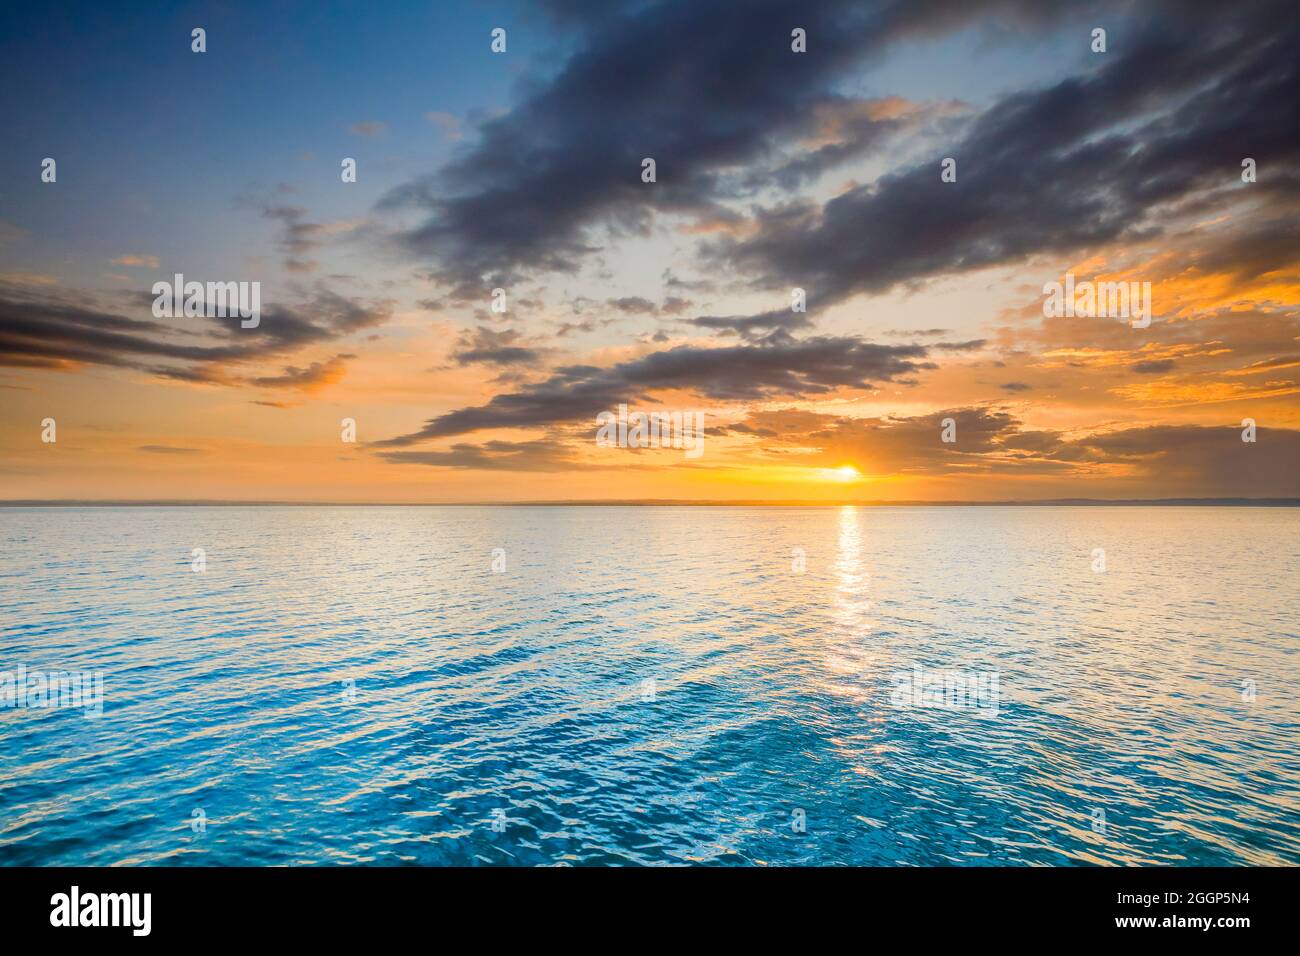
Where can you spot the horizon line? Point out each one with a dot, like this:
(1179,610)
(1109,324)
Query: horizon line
(649,502)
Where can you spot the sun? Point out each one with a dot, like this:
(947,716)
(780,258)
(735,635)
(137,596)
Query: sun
(847,473)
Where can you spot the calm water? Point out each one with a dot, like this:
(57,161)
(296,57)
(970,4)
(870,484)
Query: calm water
(356,685)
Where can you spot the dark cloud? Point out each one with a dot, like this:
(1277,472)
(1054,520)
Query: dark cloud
(1154,367)
(634,304)
(970,345)
(487,346)
(565,329)
(755,326)
(55,330)
(703,88)
(803,367)
(307,379)
(1052,171)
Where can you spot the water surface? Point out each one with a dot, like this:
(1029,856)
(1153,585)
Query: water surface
(652,685)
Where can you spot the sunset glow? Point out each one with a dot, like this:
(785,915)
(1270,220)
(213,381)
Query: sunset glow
(820,272)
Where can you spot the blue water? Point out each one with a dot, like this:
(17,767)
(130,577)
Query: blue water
(357,685)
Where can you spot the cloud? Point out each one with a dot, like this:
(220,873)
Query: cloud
(790,367)
(487,346)
(311,378)
(55,330)
(1169,461)
(539,455)
(146,262)
(28,278)
(1154,367)
(1201,461)
(169,450)
(1095,159)
(844,129)
(634,304)
(565,329)
(1224,355)
(299,236)
(970,345)
(896,445)
(1089,161)
(450,125)
(755,326)
(1127,162)
(700,88)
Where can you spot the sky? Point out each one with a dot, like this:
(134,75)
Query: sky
(775,169)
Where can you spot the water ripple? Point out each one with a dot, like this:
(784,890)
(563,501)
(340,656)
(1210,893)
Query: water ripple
(652,686)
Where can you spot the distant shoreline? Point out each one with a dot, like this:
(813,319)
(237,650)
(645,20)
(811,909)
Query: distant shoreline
(669,503)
